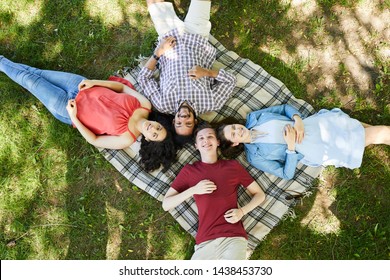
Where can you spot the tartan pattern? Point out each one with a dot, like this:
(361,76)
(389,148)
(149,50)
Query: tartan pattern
(255,89)
(175,86)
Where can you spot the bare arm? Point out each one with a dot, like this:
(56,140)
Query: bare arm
(113,85)
(173,198)
(258,196)
(104,141)
(117,87)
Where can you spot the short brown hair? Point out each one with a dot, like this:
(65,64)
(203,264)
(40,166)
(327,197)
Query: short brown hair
(201,126)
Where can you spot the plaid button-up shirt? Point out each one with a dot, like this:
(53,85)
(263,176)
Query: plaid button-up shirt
(204,95)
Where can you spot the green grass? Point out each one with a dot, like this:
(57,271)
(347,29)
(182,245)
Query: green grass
(60,199)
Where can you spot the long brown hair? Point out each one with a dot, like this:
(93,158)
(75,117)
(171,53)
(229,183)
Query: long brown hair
(226,146)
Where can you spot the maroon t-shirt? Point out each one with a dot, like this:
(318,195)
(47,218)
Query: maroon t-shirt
(227,175)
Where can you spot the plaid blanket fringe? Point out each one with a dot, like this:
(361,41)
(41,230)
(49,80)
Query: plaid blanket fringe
(255,89)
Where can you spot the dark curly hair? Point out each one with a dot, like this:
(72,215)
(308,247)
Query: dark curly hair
(226,146)
(181,140)
(155,154)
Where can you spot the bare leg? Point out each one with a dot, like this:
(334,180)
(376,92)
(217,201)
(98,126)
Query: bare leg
(377,134)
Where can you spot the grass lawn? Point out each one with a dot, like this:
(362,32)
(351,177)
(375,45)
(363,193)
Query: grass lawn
(60,199)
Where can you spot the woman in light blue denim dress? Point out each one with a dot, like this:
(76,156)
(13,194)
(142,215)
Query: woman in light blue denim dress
(276,139)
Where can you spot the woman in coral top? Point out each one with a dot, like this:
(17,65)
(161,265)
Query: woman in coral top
(108,114)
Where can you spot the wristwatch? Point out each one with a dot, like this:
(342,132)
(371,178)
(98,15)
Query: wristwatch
(156,57)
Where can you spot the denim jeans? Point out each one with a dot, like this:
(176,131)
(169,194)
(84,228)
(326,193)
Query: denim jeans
(52,88)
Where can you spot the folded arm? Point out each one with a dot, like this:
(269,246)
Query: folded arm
(148,83)
(197,72)
(145,78)
(117,87)
(285,110)
(173,198)
(285,170)
(224,84)
(258,196)
(101,141)
(104,141)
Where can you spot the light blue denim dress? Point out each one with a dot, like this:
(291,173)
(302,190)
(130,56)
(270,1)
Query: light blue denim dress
(331,138)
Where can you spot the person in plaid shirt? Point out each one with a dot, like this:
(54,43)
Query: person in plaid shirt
(188,86)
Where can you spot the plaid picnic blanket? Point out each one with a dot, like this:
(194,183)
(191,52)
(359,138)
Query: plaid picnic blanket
(255,89)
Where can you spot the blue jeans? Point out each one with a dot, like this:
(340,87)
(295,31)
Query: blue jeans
(52,88)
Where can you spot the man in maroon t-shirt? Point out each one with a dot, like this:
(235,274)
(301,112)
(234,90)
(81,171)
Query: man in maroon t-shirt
(214,183)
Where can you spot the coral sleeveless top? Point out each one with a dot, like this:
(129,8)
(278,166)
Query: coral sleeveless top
(104,111)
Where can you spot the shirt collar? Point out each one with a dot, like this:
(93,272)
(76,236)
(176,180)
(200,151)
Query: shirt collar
(191,104)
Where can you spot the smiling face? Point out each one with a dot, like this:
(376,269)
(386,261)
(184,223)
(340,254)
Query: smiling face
(153,131)
(206,141)
(236,133)
(184,121)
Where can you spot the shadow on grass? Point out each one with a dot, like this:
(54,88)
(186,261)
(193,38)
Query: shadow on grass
(128,224)
(56,41)
(265,32)
(103,222)
(352,226)
(324,42)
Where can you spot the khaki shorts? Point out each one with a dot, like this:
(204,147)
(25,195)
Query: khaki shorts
(197,20)
(223,248)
